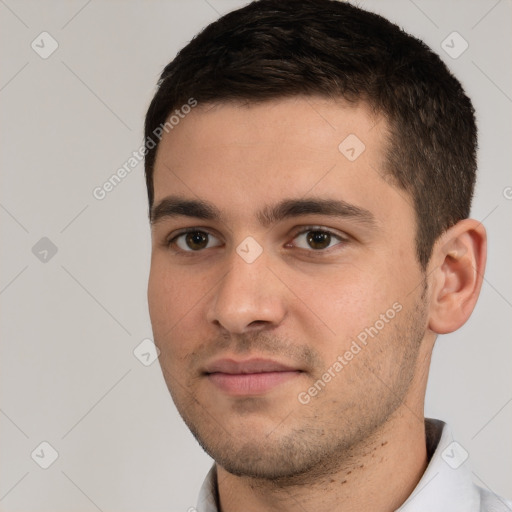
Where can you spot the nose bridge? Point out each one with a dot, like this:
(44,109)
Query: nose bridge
(248,293)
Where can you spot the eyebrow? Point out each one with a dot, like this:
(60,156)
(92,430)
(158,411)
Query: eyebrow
(290,208)
(174,206)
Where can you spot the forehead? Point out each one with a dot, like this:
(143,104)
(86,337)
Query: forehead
(239,156)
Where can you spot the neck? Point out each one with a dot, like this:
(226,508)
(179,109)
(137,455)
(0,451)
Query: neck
(378,475)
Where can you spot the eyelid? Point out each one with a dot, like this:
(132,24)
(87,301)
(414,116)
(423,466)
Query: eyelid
(168,241)
(342,237)
(306,229)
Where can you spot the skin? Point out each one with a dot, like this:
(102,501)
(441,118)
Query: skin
(300,305)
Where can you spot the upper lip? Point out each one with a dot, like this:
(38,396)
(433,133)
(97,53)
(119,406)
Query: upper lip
(255,365)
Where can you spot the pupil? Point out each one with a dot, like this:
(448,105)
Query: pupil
(197,240)
(319,239)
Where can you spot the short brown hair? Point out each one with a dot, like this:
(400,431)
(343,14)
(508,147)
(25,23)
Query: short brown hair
(273,48)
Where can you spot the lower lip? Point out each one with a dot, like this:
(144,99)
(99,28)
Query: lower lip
(250,383)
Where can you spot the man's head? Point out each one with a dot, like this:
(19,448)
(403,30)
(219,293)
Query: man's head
(308,231)
(273,49)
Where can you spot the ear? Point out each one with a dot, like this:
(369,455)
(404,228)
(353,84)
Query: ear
(456,273)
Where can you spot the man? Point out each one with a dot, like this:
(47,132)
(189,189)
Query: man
(310,169)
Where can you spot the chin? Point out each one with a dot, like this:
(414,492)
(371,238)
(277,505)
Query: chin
(264,463)
(266,455)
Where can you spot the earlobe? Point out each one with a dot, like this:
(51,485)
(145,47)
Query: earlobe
(456,275)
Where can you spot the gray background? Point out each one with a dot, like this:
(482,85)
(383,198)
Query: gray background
(70,324)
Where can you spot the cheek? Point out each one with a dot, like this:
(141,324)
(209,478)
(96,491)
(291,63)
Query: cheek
(158,296)
(337,307)
(176,301)
(167,297)
(349,297)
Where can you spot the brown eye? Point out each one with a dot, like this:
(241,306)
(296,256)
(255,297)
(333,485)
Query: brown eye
(197,240)
(194,241)
(318,239)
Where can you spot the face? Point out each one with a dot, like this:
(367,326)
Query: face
(285,293)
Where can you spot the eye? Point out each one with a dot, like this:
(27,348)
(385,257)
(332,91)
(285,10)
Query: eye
(194,240)
(317,239)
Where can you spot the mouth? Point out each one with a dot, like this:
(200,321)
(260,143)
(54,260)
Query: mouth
(250,377)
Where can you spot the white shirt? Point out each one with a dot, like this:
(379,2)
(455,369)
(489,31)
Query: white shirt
(446,485)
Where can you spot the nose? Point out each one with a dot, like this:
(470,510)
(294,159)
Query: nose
(248,297)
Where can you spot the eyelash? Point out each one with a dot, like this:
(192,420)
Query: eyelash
(184,232)
(342,240)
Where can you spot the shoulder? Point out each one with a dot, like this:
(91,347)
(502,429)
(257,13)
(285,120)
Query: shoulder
(490,502)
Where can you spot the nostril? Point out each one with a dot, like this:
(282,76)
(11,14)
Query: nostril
(258,323)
